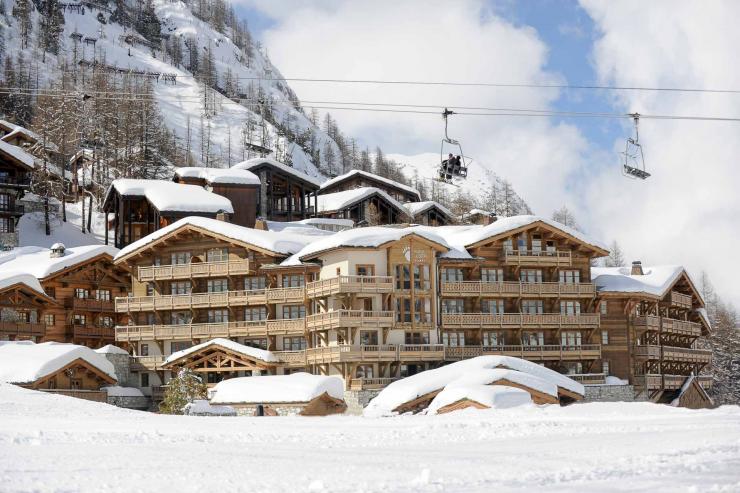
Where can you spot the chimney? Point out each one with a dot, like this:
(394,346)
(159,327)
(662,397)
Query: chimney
(636,268)
(57,250)
(222,216)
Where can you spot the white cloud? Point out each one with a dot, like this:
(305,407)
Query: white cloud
(688,211)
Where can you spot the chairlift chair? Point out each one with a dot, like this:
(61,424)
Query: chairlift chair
(633,165)
(448,171)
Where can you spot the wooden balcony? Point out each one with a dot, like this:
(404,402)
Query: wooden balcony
(589,378)
(649,352)
(532,353)
(647,322)
(193,270)
(519,321)
(669,382)
(350,318)
(667,325)
(368,353)
(210,300)
(292,359)
(286,327)
(147,363)
(687,355)
(517,289)
(559,258)
(158,392)
(22,329)
(350,284)
(680,300)
(91,332)
(188,332)
(90,305)
(370,383)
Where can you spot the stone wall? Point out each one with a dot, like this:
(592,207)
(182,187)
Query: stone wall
(357,400)
(122,365)
(611,393)
(280,409)
(9,239)
(139,402)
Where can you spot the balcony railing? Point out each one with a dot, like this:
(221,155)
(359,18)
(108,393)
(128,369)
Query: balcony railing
(588,378)
(517,289)
(349,284)
(537,257)
(87,331)
(519,320)
(12,208)
(669,382)
(680,300)
(370,383)
(668,325)
(368,353)
(22,181)
(150,363)
(291,358)
(257,328)
(536,353)
(22,329)
(687,355)
(91,304)
(88,395)
(651,352)
(210,300)
(193,269)
(350,318)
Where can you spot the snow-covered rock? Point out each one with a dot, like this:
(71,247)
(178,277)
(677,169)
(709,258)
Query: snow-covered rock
(294,388)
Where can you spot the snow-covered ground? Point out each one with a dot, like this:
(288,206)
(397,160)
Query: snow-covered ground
(53,443)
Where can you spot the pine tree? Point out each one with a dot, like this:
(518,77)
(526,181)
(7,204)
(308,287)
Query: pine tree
(51,25)
(616,256)
(566,217)
(22,11)
(181,390)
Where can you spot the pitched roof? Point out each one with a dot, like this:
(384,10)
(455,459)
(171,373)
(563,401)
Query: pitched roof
(26,363)
(296,387)
(18,155)
(256,163)
(168,196)
(38,262)
(416,208)
(370,176)
(231,176)
(10,278)
(338,201)
(248,351)
(656,280)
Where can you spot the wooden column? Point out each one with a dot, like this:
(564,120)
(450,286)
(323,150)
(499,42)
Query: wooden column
(289,189)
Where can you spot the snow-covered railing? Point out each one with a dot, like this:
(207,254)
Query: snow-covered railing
(516,288)
(350,318)
(350,284)
(537,257)
(524,320)
(193,269)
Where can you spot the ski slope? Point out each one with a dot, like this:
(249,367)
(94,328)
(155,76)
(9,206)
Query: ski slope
(54,443)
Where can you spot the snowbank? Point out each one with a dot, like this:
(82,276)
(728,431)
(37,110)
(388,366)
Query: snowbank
(296,387)
(168,196)
(231,176)
(38,261)
(117,391)
(26,363)
(250,351)
(371,177)
(495,396)
(202,407)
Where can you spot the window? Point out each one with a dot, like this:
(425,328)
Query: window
(533,339)
(364,371)
(530,275)
(50,292)
(536,244)
(180,318)
(254,282)
(421,277)
(294,311)
(453,306)
(403,310)
(150,289)
(144,350)
(494,307)
(521,244)
(294,343)
(82,294)
(217,255)
(453,339)
(178,258)
(604,337)
(570,276)
(75,384)
(150,319)
(365,270)
(4,201)
(78,319)
(605,368)
(604,308)
(550,247)
(570,307)
(416,338)
(532,307)
(573,368)
(508,245)
(258,343)
(493,339)
(423,310)
(217,285)
(180,346)
(22,316)
(452,275)
(145,380)
(491,275)
(52,383)
(403,277)
(570,338)
(369,337)
(259,313)
(180,287)
(6,225)
(49,318)
(102,294)
(293,280)
(218,316)
(105,322)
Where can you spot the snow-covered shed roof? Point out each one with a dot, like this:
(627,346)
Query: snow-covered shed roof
(296,387)
(38,261)
(10,278)
(18,155)
(371,237)
(168,196)
(416,208)
(486,376)
(278,243)
(655,280)
(249,351)
(26,363)
(495,396)
(338,201)
(372,177)
(508,224)
(474,212)
(231,176)
(256,163)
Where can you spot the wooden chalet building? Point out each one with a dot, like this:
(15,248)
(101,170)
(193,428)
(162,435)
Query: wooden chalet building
(429,213)
(16,167)
(285,194)
(365,206)
(22,304)
(363,179)
(652,319)
(79,285)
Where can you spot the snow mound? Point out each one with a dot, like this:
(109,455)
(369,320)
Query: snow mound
(250,351)
(296,387)
(494,396)
(202,407)
(26,363)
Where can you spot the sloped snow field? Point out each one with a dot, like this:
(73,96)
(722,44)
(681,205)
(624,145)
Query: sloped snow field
(54,443)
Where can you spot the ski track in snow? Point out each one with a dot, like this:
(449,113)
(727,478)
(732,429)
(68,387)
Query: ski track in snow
(54,443)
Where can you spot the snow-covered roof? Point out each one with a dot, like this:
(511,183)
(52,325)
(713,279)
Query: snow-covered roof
(296,387)
(279,243)
(38,262)
(296,228)
(231,176)
(19,154)
(118,391)
(26,363)
(10,277)
(348,223)
(487,376)
(410,388)
(251,164)
(337,201)
(416,208)
(32,197)
(655,280)
(168,196)
(18,130)
(705,316)
(474,212)
(250,351)
(507,224)
(111,349)
(495,396)
(366,237)
(370,176)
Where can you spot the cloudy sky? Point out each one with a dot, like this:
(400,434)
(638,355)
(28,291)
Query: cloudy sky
(686,213)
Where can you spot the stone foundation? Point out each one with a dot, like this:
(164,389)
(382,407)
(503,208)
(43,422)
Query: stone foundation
(357,400)
(611,393)
(270,410)
(141,403)
(122,365)
(9,239)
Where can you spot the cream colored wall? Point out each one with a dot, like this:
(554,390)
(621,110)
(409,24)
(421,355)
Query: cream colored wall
(347,260)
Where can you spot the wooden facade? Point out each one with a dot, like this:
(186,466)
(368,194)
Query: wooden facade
(244,198)
(359,179)
(21,312)
(374,209)
(15,178)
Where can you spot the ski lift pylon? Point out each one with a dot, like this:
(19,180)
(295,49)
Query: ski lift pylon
(633,165)
(459,167)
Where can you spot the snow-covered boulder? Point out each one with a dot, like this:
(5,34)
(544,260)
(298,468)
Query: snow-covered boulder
(478,396)
(201,407)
